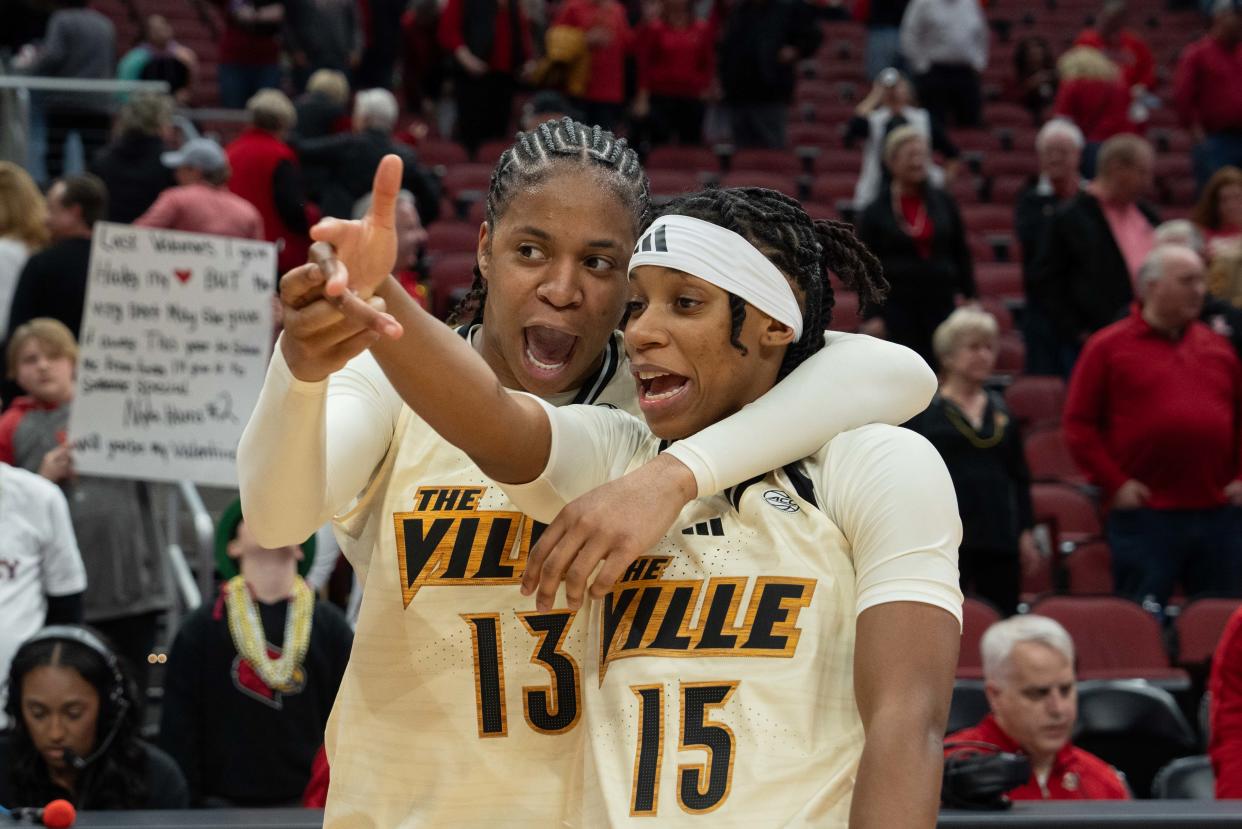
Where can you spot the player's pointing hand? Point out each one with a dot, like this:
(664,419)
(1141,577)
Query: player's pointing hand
(366,248)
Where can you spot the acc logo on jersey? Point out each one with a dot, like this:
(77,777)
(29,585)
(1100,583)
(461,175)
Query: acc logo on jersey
(781,500)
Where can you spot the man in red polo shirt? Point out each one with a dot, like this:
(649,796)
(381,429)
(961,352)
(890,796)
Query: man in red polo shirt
(1206,92)
(1028,668)
(1154,417)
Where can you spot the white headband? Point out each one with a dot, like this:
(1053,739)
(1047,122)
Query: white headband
(723,258)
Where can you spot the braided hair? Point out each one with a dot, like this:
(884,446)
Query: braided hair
(801,248)
(534,156)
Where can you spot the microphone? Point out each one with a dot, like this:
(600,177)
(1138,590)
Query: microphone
(59,814)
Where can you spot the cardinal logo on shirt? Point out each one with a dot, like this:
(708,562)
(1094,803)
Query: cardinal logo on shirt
(247,680)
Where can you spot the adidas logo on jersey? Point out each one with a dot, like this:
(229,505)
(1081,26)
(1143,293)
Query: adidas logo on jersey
(713,527)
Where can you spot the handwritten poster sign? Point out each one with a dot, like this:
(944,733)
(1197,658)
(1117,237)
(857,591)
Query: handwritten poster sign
(175,338)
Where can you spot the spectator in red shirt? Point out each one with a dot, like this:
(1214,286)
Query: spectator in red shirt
(1207,93)
(1225,711)
(610,39)
(676,61)
(1154,417)
(490,42)
(249,49)
(1121,45)
(266,173)
(1093,95)
(1028,668)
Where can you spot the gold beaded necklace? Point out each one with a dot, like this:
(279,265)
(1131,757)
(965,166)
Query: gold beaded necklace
(999,421)
(246,629)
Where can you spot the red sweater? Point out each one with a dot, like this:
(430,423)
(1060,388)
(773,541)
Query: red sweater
(1166,413)
(1206,91)
(1225,711)
(607,83)
(1100,108)
(678,63)
(253,156)
(501,59)
(1129,52)
(1075,775)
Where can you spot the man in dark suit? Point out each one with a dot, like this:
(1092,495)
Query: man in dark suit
(350,159)
(1084,277)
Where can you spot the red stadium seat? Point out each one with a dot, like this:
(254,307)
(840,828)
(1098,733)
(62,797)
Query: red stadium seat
(452,237)
(1000,312)
(987,218)
(814,134)
(490,151)
(449,278)
(1049,458)
(840,161)
(999,279)
(1090,569)
(459,177)
(1071,514)
(674,182)
(829,187)
(784,183)
(977,617)
(1199,627)
(439,151)
(1011,354)
(682,159)
(1114,639)
(845,316)
(783,162)
(1036,401)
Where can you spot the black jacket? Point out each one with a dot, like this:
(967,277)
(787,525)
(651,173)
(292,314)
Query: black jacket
(912,278)
(1081,279)
(130,167)
(1031,217)
(989,473)
(754,32)
(350,160)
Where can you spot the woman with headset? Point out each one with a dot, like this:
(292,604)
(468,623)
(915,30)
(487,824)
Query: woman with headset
(76,717)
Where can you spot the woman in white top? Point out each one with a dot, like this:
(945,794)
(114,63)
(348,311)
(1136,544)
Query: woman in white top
(23,230)
(798,632)
(452,686)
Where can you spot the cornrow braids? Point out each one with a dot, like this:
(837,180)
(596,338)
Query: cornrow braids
(534,156)
(801,248)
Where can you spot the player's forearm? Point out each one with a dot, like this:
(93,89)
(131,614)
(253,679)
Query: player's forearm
(854,380)
(282,459)
(450,386)
(898,781)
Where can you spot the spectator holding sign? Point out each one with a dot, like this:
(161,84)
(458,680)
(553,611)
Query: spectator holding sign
(112,517)
(202,202)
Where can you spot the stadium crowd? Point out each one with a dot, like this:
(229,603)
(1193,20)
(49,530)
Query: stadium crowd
(1055,194)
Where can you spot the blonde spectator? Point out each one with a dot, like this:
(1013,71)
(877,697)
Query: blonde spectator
(23,230)
(973,431)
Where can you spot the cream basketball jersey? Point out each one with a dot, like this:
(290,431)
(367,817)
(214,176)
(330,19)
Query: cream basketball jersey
(719,675)
(461,705)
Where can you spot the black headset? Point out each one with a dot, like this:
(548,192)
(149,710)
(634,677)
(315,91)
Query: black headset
(977,775)
(116,694)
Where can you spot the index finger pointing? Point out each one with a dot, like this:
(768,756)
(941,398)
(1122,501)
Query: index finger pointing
(384,190)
